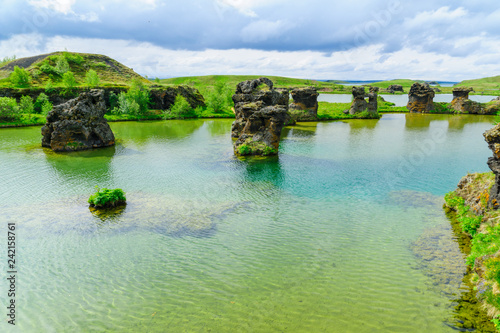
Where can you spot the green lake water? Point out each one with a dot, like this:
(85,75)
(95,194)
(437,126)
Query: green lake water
(324,238)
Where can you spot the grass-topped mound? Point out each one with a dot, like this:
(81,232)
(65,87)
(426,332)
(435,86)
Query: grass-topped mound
(59,69)
(107,198)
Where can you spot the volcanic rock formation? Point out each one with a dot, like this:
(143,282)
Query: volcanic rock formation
(462,104)
(261,112)
(359,104)
(305,104)
(78,124)
(395,87)
(492,137)
(420,98)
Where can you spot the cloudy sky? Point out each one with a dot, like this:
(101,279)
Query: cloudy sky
(357,40)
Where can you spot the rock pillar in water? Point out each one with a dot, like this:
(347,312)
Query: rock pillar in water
(260,112)
(305,104)
(420,98)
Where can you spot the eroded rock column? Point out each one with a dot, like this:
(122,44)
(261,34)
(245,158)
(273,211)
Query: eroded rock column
(492,137)
(260,112)
(420,98)
(305,104)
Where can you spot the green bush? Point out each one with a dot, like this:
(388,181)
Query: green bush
(219,100)
(9,109)
(20,77)
(73,58)
(113,101)
(26,105)
(91,78)
(69,80)
(181,108)
(135,101)
(48,69)
(62,65)
(483,244)
(40,101)
(468,221)
(269,151)
(49,86)
(46,107)
(107,198)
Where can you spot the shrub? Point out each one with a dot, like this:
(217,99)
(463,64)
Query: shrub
(40,101)
(20,77)
(49,86)
(181,108)
(113,101)
(219,100)
(483,244)
(62,65)
(46,107)
(135,101)
(91,78)
(69,80)
(269,151)
(73,58)
(107,198)
(26,105)
(48,69)
(8,108)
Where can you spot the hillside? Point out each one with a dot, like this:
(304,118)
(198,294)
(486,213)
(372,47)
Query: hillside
(487,84)
(53,65)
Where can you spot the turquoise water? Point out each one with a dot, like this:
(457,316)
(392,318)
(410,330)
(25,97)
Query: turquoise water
(318,239)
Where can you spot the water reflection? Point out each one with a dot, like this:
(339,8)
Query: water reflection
(357,124)
(219,127)
(301,130)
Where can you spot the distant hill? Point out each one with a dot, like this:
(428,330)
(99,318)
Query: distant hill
(51,66)
(487,84)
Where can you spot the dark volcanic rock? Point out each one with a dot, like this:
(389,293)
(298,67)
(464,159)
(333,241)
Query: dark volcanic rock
(462,104)
(359,103)
(162,98)
(305,104)
(261,112)
(78,124)
(492,137)
(420,98)
(395,87)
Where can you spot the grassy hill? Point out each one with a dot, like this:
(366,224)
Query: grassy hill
(53,65)
(487,84)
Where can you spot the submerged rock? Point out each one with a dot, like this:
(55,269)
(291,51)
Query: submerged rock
(78,124)
(420,98)
(305,104)
(261,112)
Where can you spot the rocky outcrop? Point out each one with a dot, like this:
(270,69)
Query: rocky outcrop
(305,104)
(462,104)
(492,137)
(359,104)
(162,98)
(78,124)
(420,98)
(261,112)
(395,88)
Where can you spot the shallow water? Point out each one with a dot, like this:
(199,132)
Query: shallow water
(401,100)
(321,238)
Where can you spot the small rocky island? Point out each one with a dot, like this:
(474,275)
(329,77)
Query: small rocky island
(261,112)
(421,98)
(78,124)
(359,104)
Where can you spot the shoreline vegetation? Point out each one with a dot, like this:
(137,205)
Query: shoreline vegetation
(31,86)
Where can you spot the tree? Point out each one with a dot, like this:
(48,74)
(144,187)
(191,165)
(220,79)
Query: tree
(40,101)
(8,108)
(219,100)
(69,80)
(181,108)
(26,105)
(20,77)
(91,78)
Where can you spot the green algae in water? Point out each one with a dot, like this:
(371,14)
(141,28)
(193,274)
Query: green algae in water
(315,239)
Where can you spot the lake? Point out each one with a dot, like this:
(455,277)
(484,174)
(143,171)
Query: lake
(400,100)
(327,237)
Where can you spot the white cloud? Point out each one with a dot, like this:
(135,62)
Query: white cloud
(367,62)
(245,7)
(62,6)
(440,16)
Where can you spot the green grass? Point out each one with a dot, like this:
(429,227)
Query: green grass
(335,111)
(489,85)
(403,82)
(25,120)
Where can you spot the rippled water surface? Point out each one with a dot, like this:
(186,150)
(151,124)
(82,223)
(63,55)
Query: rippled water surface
(319,239)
